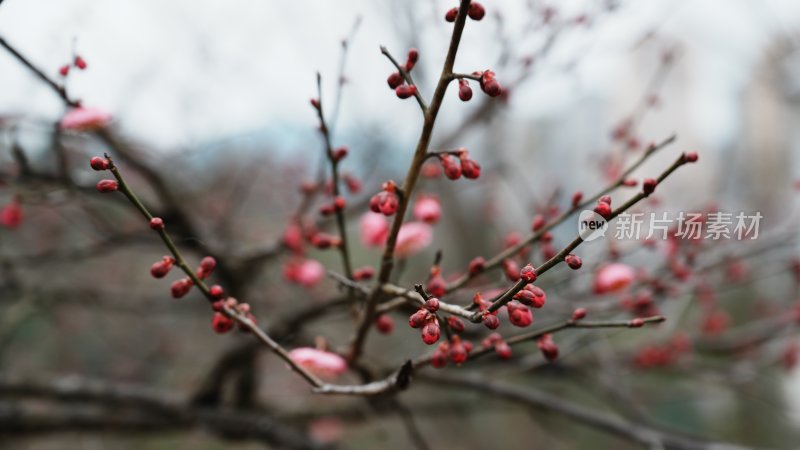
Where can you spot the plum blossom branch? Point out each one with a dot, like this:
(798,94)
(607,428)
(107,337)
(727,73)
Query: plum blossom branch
(407,77)
(401,378)
(387,260)
(242,319)
(58,87)
(334,158)
(560,256)
(497,260)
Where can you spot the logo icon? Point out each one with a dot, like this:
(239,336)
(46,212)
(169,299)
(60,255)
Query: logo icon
(591,225)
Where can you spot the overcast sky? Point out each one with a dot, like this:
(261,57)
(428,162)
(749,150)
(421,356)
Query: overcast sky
(180,72)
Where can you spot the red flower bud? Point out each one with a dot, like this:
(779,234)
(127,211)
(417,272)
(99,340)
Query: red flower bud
(222,323)
(477,265)
(181,287)
(604,210)
(548,348)
(413,57)
(511,269)
(636,323)
(531,296)
(315,103)
(605,199)
(439,357)
(395,80)
(455,324)
(492,88)
(339,154)
(323,241)
(417,320)
(576,199)
(464,91)
(490,321)
(470,168)
(384,202)
(690,157)
(649,186)
(451,169)
(574,262)
(503,350)
(432,304)
(11,214)
(384,324)
(457,352)
(405,91)
(106,186)
(208,264)
(538,223)
(578,314)
(519,315)
(436,286)
(431,332)
(451,15)
(156,223)
(161,268)
(476,11)
(352,183)
(99,163)
(80,63)
(339,203)
(363,273)
(528,273)
(64,70)
(216,291)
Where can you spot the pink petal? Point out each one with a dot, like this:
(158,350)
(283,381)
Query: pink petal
(413,237)
(427,209)
(84,119)
(374,229)
(305,272)
(613,278)
(319,362)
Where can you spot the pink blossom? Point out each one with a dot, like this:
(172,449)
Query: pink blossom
(326,430)
(293,237)
(85,119)
(305,272)
(427,209)
(374,229)
(613,278)
(319,362)
(413,237)
(11,215)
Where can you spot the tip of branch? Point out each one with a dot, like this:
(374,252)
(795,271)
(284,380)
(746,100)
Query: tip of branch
(403,379)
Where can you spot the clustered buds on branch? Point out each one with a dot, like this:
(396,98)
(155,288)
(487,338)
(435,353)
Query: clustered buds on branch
(386,201)
(396,80)
(435,314)
(475,12)
(77,62)
(489,84)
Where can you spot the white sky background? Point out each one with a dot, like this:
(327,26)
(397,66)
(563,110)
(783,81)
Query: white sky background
(181,72)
